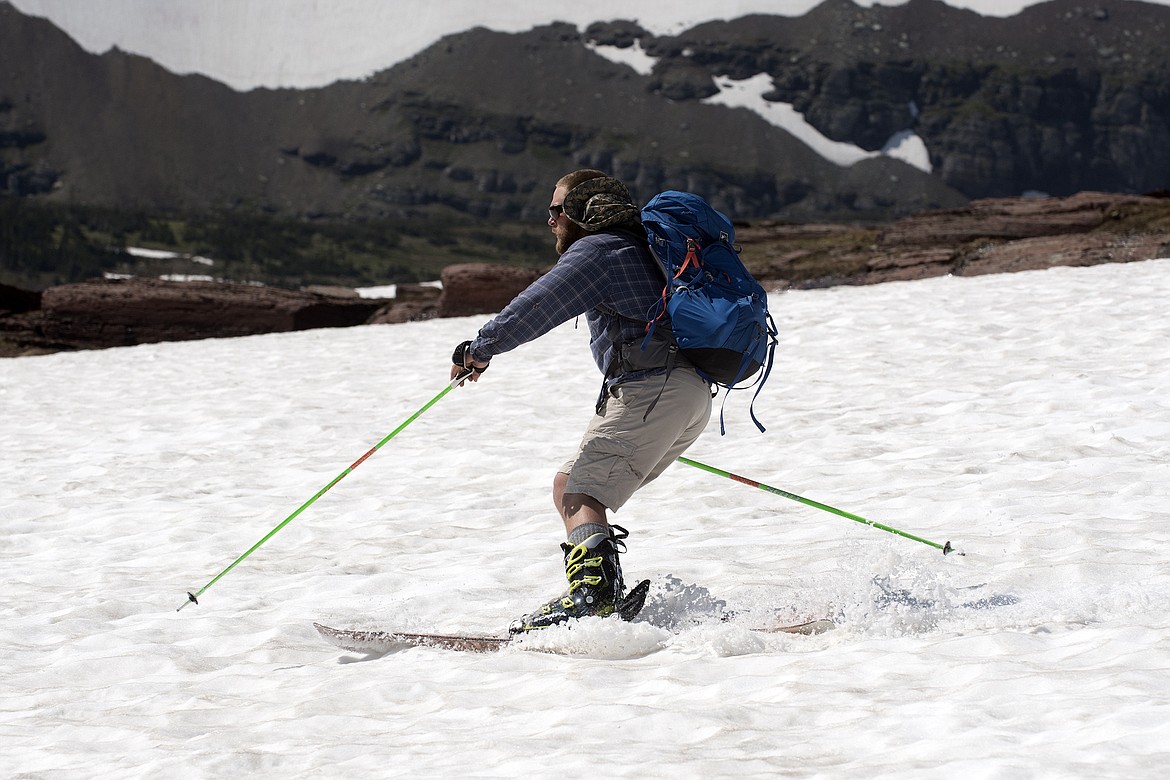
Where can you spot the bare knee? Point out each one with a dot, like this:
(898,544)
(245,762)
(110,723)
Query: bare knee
(560,482)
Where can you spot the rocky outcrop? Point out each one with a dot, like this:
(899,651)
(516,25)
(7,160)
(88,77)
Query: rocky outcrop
(124,312)
(1010,218)
(411,302)
(481,288)
(1031,254)
(998,235)
(14,300)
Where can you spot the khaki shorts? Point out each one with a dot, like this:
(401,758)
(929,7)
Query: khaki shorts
(620,452)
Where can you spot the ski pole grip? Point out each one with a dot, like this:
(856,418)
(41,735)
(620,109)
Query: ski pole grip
(462,358)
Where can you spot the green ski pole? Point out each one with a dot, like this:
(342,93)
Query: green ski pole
(192,598)
(946,548)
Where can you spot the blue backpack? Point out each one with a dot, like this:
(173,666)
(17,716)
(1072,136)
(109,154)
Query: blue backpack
(718,311)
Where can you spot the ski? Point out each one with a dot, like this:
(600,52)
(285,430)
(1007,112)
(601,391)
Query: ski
(807,628)
(388,641)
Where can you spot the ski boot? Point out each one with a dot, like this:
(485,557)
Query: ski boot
(595,585)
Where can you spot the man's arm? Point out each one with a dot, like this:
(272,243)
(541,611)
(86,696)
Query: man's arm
(576,284)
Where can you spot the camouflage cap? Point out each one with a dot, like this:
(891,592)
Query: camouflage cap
(604,202)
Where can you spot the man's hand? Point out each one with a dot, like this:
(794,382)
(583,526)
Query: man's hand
(462,361)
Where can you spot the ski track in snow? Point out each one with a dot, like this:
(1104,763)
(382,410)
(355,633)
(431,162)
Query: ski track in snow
(1023,417)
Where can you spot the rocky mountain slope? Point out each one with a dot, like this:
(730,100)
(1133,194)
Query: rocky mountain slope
(1063,97)
(481,123)
(1060,98)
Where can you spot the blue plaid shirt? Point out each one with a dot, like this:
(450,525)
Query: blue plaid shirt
(606,277)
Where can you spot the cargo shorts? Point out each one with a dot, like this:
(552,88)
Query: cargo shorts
(620,452)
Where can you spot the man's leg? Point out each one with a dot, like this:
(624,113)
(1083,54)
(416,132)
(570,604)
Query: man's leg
(618,453)
(576,508)
(591,562)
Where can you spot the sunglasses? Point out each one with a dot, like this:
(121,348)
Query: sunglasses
(556,210)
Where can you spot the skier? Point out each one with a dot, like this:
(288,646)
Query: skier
(646,415)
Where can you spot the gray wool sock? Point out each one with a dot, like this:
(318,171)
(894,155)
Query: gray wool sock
(584,531)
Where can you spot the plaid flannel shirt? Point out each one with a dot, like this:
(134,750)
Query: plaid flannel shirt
(605,276)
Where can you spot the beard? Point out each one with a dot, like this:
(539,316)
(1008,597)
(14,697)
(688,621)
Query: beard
(567,233)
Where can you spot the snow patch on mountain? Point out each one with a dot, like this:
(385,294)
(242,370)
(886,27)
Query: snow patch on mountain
(749,93)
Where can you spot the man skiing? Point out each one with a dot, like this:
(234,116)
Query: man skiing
(652,405)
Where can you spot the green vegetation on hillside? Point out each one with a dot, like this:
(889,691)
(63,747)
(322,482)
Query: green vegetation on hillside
(42,245)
